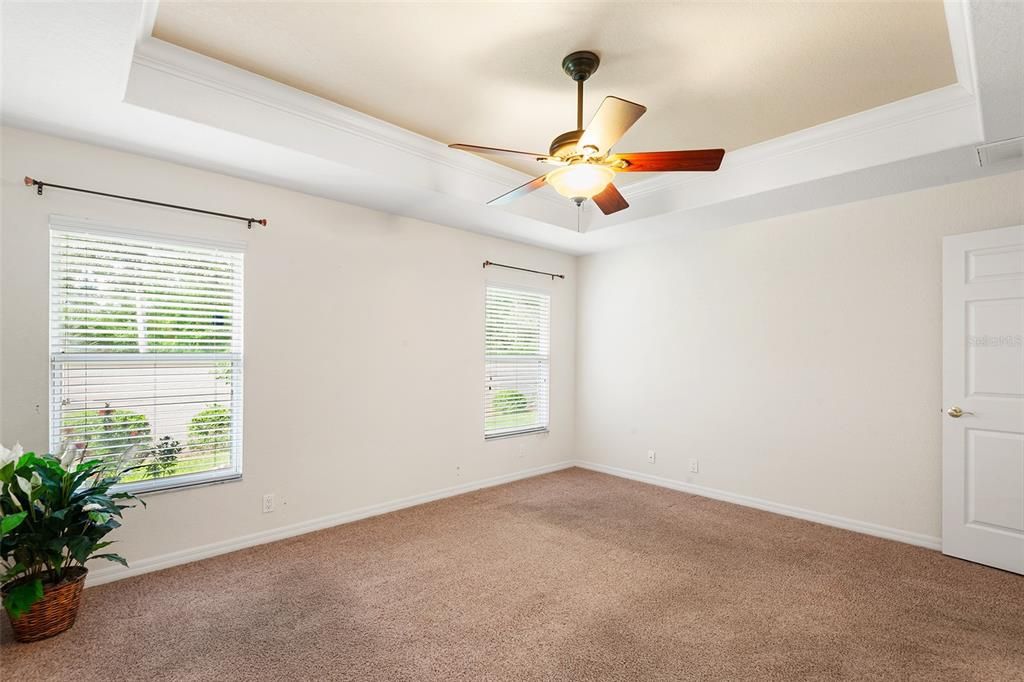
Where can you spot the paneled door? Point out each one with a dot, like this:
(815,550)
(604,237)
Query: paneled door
(983,394)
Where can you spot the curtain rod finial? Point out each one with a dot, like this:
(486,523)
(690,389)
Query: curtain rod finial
(29,181)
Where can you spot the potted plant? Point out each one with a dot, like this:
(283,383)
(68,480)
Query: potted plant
(54,514)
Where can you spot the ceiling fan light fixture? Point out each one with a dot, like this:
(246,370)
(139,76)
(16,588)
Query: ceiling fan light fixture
(587,163)
(580,181)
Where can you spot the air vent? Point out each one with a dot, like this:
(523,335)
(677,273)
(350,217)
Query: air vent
(1001,152)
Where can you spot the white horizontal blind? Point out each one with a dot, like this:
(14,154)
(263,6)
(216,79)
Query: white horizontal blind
(517,330)
(146,351)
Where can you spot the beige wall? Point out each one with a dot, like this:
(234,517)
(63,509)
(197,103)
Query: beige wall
(363,342)
(797,358)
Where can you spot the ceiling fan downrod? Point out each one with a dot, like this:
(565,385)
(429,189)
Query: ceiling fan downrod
(580,66)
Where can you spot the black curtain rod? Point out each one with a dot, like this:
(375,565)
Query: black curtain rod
(39,185)
(513,267)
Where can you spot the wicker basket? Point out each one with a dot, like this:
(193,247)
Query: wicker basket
(55,612)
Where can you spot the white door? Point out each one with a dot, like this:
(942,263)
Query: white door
(983,397)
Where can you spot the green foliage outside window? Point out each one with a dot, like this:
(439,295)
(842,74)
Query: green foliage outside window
(509,401)
(107,431)
(210,429)
(164,459)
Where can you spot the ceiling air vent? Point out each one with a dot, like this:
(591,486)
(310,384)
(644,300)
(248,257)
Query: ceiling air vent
(1000,152)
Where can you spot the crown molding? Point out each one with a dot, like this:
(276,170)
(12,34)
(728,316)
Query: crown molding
(937,110)
(960,95)
(178,62)
(176,81)
(926,123)
(929,123)
(173,80)
(961,42)
(147,20)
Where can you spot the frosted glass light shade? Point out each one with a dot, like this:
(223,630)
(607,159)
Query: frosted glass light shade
(580,180)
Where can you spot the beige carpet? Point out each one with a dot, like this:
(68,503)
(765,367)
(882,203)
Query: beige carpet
(571,576)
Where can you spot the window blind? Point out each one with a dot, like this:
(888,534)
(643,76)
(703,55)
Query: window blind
(146,356)
(517,361)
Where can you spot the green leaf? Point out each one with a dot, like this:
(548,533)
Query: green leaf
(80,548)
(90,465)
(112,557)
(12,572)
(21,598)
(7,472)
(11,521)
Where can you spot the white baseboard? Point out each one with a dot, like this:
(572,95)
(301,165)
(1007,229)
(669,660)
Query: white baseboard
(909,537)
(106,574)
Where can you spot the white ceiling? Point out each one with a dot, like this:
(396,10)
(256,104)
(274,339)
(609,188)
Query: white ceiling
(92,72)
(712,74)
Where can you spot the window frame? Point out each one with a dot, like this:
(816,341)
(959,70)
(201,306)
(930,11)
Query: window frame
(65,224)
(532,430)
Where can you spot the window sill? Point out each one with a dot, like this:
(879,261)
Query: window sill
(146,488)
(516,434)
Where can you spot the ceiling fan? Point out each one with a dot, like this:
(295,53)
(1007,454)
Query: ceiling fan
(585,165)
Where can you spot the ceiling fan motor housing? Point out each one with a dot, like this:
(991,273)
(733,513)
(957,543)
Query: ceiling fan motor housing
(564,145)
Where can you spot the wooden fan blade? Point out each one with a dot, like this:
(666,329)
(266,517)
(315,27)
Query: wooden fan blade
(520,191)
(650,162)
(613,118)
(500,152)
(609,200)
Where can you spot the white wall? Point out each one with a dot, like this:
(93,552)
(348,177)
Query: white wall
(363,342)
(797,358)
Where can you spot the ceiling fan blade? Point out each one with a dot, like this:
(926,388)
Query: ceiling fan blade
(500,152)
(613,118)
(609,200)
(520,191)
(650,162)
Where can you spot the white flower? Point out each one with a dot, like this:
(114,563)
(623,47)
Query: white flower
(24,484)
(92,506)
(11,455)
(68,455)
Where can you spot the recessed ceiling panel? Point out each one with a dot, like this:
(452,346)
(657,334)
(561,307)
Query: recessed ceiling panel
(711,74)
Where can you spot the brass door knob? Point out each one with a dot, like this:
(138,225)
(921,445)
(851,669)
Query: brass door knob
(955,412)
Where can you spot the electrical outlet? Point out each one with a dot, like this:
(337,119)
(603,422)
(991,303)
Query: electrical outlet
(694,466)
(268,503)
(651,456)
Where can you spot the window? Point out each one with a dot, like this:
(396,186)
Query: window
(146,355)
(517,363)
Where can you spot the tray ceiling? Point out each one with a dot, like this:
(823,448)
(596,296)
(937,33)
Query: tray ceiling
(711,74)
